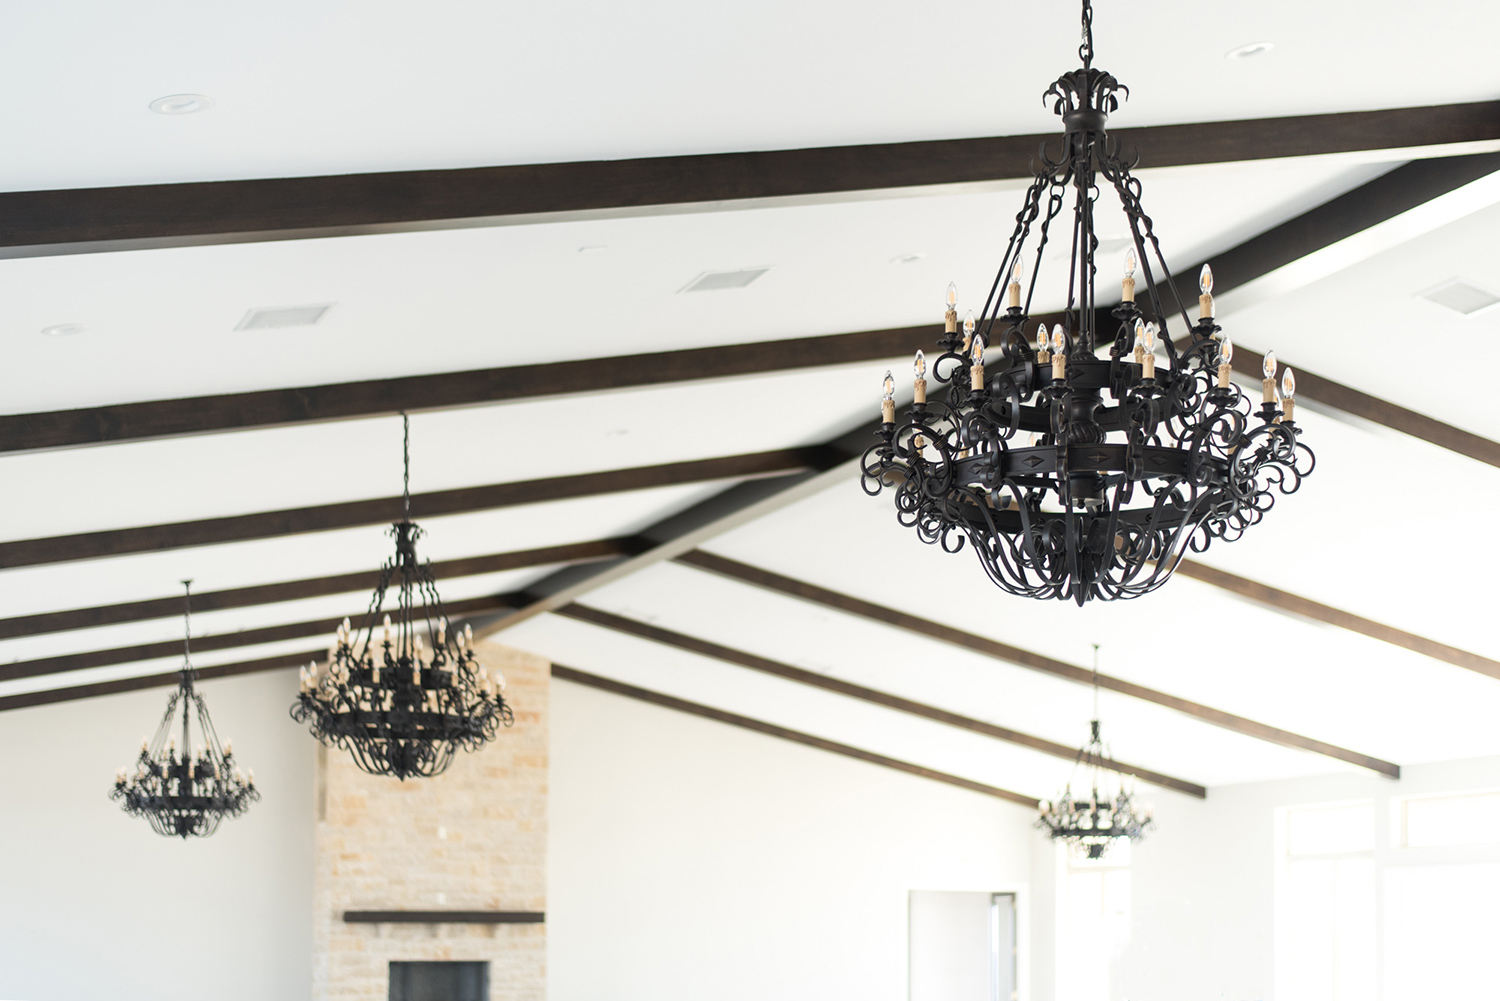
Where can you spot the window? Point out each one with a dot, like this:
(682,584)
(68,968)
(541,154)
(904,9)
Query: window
(962,946)
(1093,920)
(1325,943)
(1471,818)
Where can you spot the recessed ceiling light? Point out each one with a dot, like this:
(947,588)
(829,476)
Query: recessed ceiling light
(63,330)
(713,281)
(907,258)
(1253,49)
(181,104)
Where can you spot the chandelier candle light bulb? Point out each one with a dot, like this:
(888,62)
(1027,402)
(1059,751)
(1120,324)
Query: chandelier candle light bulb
(1226,352)
(950,310)
(1042,357)
(1288,393)
(1268,384)
(1127,286)
(1206,298)
(1013,292)
(976,356)
(1148,352)
(919,377)
(1059,353)
(887,416)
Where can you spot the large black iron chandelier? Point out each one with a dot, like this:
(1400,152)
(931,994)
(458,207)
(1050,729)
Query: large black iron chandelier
(1106,497)
(1107,814)
(399,709)
(185,791)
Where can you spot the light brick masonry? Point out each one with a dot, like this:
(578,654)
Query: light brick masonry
(474,838)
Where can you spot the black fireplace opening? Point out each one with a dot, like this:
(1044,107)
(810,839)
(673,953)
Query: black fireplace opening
(414,981)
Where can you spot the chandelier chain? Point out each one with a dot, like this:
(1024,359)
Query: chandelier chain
(405,466)
(1086,50)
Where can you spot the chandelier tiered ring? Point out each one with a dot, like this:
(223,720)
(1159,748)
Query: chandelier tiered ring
(1076,467)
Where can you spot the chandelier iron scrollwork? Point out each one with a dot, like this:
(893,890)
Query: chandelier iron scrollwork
(1108,814)
(1108,495)
(185,791)
(396,707)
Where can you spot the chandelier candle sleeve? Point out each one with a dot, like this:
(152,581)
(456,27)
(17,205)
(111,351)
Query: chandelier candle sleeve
(1226,353)
(1079,466)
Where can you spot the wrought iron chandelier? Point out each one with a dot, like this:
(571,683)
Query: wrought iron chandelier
(185,791)
(397,708)
(1107,496)
(1109,814)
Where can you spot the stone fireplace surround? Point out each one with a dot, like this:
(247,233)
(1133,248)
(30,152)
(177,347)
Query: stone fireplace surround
(472,839)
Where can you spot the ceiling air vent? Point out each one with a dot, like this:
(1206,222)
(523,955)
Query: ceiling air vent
(271,317)
(1461,296)
(712,281)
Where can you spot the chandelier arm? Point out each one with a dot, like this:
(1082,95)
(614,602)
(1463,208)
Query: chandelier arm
(1054,208)
(1126,187)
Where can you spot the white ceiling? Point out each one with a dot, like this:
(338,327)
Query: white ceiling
(160,323)
(318,87)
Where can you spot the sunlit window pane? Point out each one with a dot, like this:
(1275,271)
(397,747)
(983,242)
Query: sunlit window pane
(1464,819)
(1331,830)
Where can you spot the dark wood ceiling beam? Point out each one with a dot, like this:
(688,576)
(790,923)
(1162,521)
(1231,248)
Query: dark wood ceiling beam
(1370,204)
(352,514)
(41,623)
(1285,601)
(63,663)
(770,729)
(851,605)
(764,665)
(26,700)
(140,217)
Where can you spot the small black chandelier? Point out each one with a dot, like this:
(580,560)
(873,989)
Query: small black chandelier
(185,791)
(1106,498)
(398,709)
(1109,814)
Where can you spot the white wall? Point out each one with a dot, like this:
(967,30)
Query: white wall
(1203,883)
(94,905)
(690,860)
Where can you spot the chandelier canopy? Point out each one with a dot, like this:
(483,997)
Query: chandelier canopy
(398,708)
(1108,814)
(1108,494)
(185,791)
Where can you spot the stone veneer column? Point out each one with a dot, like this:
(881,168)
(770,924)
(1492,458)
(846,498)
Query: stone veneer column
(473,838)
